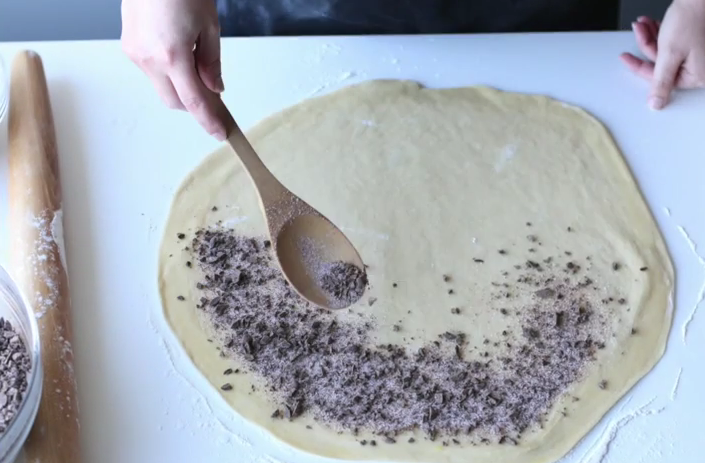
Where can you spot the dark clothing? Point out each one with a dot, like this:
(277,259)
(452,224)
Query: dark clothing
(354,17)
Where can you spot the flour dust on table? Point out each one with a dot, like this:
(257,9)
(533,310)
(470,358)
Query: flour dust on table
(516,283)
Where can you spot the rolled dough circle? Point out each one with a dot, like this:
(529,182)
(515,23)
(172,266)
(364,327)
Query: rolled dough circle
(425,182)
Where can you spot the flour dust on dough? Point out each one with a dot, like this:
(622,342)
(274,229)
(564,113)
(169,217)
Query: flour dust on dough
(428,182)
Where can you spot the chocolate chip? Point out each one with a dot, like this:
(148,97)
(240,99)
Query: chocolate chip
(446,278)
(616,266)
(229,371)
(478,261)
(227,387)
(181,298)
(389,440)
(502,252)
(411,440)
(643,269)
(181,236)
(371,301)
(545,293)
(455,310)
(214,208)
(603,384)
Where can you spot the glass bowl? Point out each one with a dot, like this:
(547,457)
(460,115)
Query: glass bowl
(14,307)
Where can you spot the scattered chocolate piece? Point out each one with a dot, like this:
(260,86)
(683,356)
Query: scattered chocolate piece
(545,293)
(394,285)
(396,328)
(528,224)
(643,269)
(446,278)
(570,229)
(181,236)
(227,387)
(508,440)
(389,440)
(373,443)
(181,298)
(455,310)
(229,371)
(502,252)
(277,414)
(214,208)
(532,238)
(363,442)
(634,331)
(371,301)
(478,261)
(616,266)
(344,282)
(450,291)
(189,264)
(621,301)
(411,440)
(603,384)
(317,362)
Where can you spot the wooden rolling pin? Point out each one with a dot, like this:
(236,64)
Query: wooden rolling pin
(37,255)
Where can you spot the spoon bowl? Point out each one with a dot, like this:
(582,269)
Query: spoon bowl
(306,246)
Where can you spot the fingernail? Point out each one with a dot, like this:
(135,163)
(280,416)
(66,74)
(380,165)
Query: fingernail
(220,136)
(656,102)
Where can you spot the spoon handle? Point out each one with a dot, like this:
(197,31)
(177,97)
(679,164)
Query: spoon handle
(271,191)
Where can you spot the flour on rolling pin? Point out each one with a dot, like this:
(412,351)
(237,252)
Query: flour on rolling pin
(50,231)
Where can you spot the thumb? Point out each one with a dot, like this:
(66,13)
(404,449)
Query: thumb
(208,59)
(665,72)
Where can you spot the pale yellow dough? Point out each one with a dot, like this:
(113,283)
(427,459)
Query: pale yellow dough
(423,181)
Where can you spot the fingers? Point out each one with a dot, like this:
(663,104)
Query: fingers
(666,69)
(638,66)
(208,59)
(652,25)
(166,90)
(646,39)
(195,97)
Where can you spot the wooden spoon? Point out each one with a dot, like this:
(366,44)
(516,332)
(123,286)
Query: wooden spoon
(305,241)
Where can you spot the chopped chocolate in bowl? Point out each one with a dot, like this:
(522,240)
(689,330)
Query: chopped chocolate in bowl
(326,365)
(343,282)
(15,366)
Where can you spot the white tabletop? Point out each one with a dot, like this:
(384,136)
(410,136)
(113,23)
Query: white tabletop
(123,154)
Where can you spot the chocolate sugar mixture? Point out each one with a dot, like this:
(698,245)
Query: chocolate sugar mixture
(314,364)
(14,371)
(344,283)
